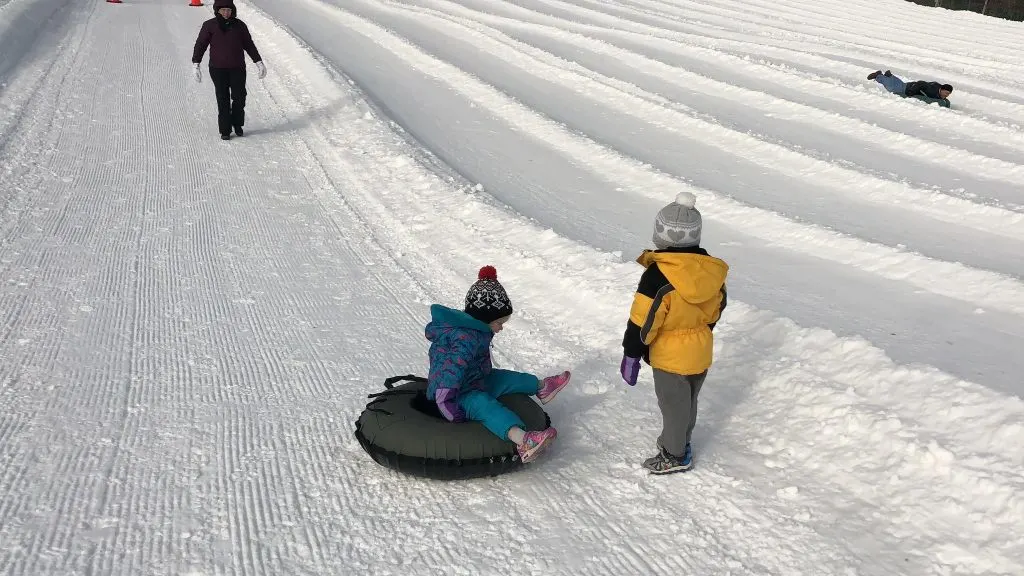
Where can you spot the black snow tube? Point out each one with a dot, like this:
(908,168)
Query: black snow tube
(402,430)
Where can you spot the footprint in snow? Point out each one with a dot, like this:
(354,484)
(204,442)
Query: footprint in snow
(594,387)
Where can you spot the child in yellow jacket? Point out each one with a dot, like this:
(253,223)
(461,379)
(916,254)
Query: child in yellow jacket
(680,298)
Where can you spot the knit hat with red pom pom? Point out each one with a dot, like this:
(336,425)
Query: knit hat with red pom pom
(486,300)
(678,224)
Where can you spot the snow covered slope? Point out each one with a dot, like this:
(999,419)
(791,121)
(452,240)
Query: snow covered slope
(190,326)
(588,129)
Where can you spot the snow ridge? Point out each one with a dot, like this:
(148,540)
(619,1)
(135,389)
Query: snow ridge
(997,290)
(189,327)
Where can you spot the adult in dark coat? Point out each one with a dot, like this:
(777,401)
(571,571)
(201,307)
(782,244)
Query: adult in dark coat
(916,88)
(228,39)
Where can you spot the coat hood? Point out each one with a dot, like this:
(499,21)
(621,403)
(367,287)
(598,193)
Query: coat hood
(445,320)
(218,4)
(695,275)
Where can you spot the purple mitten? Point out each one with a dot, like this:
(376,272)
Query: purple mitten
(629,369)
(449,406)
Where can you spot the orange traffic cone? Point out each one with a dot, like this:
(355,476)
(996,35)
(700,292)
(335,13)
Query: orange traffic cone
(196,3)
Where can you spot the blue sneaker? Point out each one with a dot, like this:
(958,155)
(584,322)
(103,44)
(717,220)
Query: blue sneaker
(665,463)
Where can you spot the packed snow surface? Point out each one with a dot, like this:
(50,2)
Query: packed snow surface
(190,327)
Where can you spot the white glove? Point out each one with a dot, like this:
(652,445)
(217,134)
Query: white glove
(262,68)
(199,74)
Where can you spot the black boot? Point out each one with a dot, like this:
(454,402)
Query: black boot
(238,130)
(225,136)
(874,74)
(888,73)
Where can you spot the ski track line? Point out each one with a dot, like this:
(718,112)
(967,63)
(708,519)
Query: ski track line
(980,102)
(515,252)
(824,86)
(706,16)
(998,172)
(751,15)
(110,400)
(1000,33)
(25,101)
(840,65)
(30,338)
(870,103)
(429,270)
(788,162)
(976,89)
(604,26)
(787,15)
(20,24)
(139,379)
(819,93)
(970,53)
(966,21)
(995,289)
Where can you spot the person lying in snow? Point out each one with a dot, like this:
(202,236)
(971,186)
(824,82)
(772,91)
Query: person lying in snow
(680,297)
(897,86)
(461,379)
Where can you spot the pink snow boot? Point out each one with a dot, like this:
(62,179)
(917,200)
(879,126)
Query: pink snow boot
(534,443)
(551,385)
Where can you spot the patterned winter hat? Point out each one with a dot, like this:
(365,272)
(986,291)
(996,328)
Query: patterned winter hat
(486,300)
(678,225)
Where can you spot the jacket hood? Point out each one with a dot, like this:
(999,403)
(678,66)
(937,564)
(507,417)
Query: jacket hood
(444,319)
(218,4)
(695,275)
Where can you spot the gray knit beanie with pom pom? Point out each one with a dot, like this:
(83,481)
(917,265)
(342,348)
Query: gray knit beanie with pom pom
(678,224)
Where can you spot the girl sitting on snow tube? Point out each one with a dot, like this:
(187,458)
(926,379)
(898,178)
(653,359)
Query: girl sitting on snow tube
(461,379)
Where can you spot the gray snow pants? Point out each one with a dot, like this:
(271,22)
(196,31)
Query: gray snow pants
(677,398)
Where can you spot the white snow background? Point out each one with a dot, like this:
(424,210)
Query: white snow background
(190,327)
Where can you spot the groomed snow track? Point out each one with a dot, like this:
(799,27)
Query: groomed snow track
(190,327)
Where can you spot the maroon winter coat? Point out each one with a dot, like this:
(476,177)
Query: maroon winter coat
(227,39)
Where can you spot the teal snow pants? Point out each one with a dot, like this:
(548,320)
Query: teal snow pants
(483,406)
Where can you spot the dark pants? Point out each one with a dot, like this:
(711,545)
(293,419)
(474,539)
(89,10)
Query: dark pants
(229,84)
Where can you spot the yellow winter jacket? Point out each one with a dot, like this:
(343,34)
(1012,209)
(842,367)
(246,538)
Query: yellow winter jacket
(680,297)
